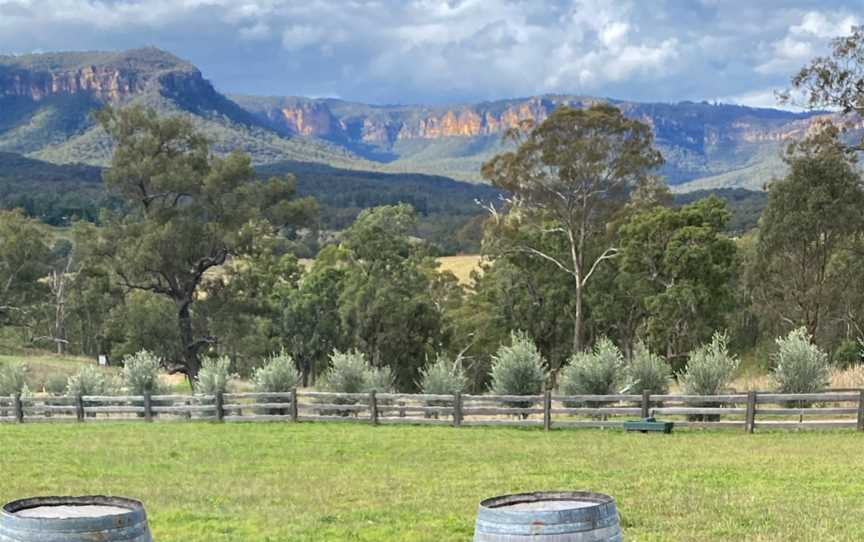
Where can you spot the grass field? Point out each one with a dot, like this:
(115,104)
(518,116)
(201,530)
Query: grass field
(336,482)
(40,366)
(461,266)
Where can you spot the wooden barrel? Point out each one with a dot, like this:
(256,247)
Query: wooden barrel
(555,516)
(74,519)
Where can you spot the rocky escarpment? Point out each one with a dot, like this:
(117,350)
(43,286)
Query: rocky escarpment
(151,76)
(318,118)
(46,102)
(107,84)
(106,77)
(691,125)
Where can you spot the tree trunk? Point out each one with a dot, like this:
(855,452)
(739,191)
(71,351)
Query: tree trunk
(190,347)
(578,321)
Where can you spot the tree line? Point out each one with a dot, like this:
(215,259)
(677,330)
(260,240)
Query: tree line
(585,247)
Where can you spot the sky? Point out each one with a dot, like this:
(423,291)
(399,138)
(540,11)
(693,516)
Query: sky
(455,51)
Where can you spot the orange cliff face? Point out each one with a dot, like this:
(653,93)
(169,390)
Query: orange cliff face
(316,119)
(387,126)
(105,84)
(309,119)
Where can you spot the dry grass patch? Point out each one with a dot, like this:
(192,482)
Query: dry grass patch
(461,266)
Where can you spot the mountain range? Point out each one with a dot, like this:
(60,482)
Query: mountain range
(46,102)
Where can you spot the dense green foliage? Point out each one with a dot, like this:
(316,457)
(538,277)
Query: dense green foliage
(568,178)
(24,261)
(188,212)
(445,208)
(745,205)
(55,194)
(392,299)
(810,235)
(194,257)
(679,265)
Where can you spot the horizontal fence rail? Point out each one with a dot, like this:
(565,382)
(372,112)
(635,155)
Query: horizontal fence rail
(748,411)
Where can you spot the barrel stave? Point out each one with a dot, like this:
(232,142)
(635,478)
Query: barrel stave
(127,525)
(558,516)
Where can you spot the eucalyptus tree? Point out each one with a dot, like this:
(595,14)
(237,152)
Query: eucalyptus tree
(678,266)
(24,262)
(813,218)
(389,299)
(187,211)
(567,180)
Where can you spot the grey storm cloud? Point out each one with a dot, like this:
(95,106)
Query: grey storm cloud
(437,51)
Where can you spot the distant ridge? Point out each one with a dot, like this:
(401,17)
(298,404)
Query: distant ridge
(46,102)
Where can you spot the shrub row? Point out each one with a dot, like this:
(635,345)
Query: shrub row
(518,369)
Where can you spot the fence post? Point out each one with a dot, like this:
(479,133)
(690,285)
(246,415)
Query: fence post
(148,407)
(861,411)
(79,407)
(220,406)
(373,408)
(18,408)
(547,410)
(646,403)
(294,409)
(401,409)
(750,420)
(457,409)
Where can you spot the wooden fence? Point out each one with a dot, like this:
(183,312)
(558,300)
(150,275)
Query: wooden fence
(749,411)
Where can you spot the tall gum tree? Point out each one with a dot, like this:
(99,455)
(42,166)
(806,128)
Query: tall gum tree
(187,211)
(813,216)
(568,179)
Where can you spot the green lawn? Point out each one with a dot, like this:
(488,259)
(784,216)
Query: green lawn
(342,482)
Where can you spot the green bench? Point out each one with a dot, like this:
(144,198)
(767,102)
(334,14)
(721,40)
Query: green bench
(648,424)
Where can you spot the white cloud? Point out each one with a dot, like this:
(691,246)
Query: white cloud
(756,98)
(806,39)
(258,31)
(824,26)
(614,35)
(449,50)
(299,36)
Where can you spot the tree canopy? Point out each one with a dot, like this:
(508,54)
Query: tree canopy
(813,216)
(188,212)
(567,180)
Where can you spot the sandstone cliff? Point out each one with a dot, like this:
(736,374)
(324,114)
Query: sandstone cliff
(106,77)
(694,125)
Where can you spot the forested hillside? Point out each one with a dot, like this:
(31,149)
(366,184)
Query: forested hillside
(46,101)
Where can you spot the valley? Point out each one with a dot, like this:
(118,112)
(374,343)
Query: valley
(47,100)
